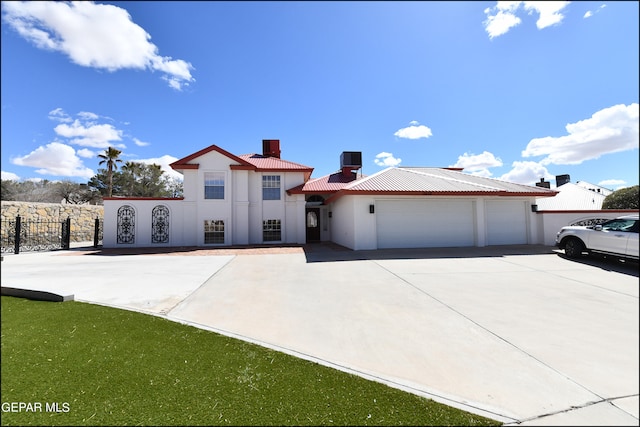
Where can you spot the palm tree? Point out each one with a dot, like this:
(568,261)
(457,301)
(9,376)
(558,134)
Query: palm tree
(111,158)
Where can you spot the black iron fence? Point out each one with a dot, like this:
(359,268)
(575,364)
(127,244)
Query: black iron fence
(19,235)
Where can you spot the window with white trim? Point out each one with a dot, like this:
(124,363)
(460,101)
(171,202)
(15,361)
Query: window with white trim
(213,231)
(270,187)
(271,230)
(214,185)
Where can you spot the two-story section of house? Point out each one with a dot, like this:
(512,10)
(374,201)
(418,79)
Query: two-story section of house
(228,200)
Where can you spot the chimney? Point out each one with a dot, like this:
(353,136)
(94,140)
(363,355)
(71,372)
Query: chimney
(350,161)
(543,183)
(562,180)
(271,148)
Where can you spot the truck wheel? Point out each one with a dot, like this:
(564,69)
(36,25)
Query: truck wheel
(573,248)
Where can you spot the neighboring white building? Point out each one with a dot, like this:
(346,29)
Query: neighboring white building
(579,196)
(261,199)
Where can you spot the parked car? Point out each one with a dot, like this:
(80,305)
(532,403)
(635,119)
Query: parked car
(618,237)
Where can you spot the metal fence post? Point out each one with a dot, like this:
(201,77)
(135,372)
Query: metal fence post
(96,232)
(16,247)
(66,234)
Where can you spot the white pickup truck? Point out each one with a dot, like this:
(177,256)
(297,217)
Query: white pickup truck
(617,237)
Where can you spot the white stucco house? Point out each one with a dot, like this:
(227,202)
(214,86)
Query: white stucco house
(262,199)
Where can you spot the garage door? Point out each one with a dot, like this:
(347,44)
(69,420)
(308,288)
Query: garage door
(424,223)
(506,222)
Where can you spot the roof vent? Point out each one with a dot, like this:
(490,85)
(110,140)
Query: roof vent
(271,148)
(543,183)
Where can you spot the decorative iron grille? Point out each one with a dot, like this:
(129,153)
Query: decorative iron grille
(160,224)
(126,225)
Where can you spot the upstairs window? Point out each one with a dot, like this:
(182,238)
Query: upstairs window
(271,187)
(214,185)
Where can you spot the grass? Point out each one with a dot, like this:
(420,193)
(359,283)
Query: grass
(105,366)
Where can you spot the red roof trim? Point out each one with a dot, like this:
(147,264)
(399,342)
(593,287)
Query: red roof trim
(499,193)
(184,162)
(242,167)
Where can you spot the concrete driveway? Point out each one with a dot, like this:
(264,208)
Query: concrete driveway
(519,334)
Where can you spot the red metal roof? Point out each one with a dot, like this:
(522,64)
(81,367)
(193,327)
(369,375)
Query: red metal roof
(261,162)
(185,162)
(436,181)
(246,161)
(326,184)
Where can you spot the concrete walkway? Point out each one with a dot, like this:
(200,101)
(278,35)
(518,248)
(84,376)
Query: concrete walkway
(519,334)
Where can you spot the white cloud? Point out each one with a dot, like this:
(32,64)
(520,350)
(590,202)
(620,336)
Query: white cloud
(503,16)
(500,23)
(415,131)
(86,131)
(527,173)
(140,143)
(164,163)
(589,13)
(611,182)
(9,176)
(59,115)
(88,116)
(90,135)
(55,159)
(548,11)
(86,153)
(93,35)
(386,159)
(610,130)
(478,164)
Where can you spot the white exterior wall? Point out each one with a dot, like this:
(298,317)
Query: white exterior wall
(142,220)
(242,208)
(342,222)
(549,223)
(240,212)
(354,227)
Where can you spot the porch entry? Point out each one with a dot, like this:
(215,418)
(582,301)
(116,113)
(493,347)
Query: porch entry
(312,220)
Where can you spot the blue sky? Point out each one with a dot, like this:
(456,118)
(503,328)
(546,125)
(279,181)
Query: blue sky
(516,91)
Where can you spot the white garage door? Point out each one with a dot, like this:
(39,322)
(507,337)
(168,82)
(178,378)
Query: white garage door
(424,223)
(506,222)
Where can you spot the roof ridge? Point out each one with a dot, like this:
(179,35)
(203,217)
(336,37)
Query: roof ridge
(366,178)
(447,178)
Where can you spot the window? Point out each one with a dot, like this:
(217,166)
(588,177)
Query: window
(620,224)
(214,185)
(271,187)
(213,231)
(271,230)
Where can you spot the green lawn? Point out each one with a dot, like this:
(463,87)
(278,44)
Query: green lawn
(105,366)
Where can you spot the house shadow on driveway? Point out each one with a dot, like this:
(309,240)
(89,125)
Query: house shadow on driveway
(330,252)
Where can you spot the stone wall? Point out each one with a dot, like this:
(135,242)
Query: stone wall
(82,216)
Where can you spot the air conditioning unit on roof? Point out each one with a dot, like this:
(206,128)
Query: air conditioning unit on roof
(351,159)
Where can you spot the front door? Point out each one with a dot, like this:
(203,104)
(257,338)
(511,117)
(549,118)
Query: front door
(312,220)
